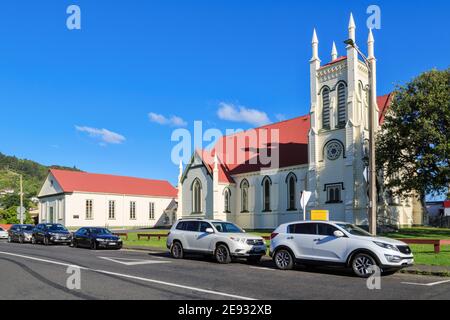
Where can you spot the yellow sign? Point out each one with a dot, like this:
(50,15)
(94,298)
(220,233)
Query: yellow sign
(320,215)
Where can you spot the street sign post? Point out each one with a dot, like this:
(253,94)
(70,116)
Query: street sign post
(20,213)
(305,196)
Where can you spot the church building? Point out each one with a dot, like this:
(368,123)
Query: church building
(325,152)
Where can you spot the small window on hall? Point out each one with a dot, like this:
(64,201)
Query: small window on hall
(226,199)
(291,182)
(334,193)
(151,211)
(132,210)
(112,210)
(89,211)
(266,194)
(196,197)
(244,196)
(342,97)
(326,108)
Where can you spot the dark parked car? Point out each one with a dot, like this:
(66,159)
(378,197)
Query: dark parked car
(96,238)
(20,233)
(48,233)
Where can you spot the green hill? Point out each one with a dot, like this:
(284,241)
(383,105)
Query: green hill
(33,174)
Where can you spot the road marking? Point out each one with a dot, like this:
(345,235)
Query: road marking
(169,284)
(132,262)
(426,284)
(262,268)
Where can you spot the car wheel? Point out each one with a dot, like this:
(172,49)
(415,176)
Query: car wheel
(20,239)
(362,265)
(177,250)
(94,245)
(222,254)
(283,259)
(254,260)
(46,242)
(74,244)
(9,239)
(33,240)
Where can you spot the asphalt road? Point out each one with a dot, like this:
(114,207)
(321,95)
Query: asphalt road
(40,272)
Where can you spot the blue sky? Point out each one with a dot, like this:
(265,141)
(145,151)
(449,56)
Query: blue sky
(181,61)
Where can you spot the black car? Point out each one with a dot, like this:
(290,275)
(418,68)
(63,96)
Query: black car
(20,233)
(96,238)
(48,233)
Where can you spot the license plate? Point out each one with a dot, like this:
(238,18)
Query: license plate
(112,243)
(63,238)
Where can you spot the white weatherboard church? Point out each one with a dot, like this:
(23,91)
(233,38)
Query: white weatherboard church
(323,152)
(81,199)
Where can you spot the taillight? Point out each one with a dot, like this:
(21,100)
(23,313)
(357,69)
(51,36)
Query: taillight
(273,235)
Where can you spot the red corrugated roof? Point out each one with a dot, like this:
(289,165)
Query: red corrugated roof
(236,156)
(6,226)
(339,59)
(71,181)
(384,103)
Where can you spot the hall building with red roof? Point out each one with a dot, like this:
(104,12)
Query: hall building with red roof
(77,199)
(255,178)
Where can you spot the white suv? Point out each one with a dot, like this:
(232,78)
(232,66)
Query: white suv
(222,239)
(337,243)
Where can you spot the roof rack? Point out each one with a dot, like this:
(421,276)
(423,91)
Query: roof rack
(191,218)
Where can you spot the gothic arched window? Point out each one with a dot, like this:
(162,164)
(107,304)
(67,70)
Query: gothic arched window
(291,181)
(342,97)
(326,108)
(196,196)
(226,199)
(244,196)
(266,184)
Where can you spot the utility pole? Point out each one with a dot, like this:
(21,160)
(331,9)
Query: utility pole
(370,64)
(21,200)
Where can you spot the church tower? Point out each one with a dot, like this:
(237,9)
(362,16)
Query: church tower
(339,131)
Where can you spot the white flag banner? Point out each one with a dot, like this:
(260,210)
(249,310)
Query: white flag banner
(306,195)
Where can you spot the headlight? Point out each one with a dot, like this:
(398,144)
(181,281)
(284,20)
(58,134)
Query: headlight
(386,245)
(242,240)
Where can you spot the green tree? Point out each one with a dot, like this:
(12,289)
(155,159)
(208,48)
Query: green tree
(413,145)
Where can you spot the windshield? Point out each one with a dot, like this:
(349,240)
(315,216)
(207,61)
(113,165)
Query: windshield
(26,228)
(100,231)
(1,229)
(354,230)
(227,227)
(56,227)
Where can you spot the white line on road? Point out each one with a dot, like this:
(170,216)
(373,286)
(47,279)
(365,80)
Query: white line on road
(262,268)
(132,262)
(426,284)
(169,284)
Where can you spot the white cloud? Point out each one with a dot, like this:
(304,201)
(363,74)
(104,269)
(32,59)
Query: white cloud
(280,117)
(106,136)
(230,112)
(174,121)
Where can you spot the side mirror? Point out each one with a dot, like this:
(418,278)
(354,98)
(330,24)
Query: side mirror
(244,231)
(339,234)
(209,230)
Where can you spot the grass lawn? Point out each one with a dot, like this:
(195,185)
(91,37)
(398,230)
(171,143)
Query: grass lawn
(424,254)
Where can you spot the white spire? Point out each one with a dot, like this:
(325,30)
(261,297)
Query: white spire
(334,53)
(370,45)
(181,170)
(351,28)
(315,46)
(216,162)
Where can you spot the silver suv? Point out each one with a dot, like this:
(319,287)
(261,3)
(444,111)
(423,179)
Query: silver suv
(223,240)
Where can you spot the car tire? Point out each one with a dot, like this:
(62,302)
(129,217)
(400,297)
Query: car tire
(33,240)
(177,250)
(254,260)
(21,239)
(9,239)
(46,241)
(94,245)
(361,264)
(74,244)
(283,259)
(222,254)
